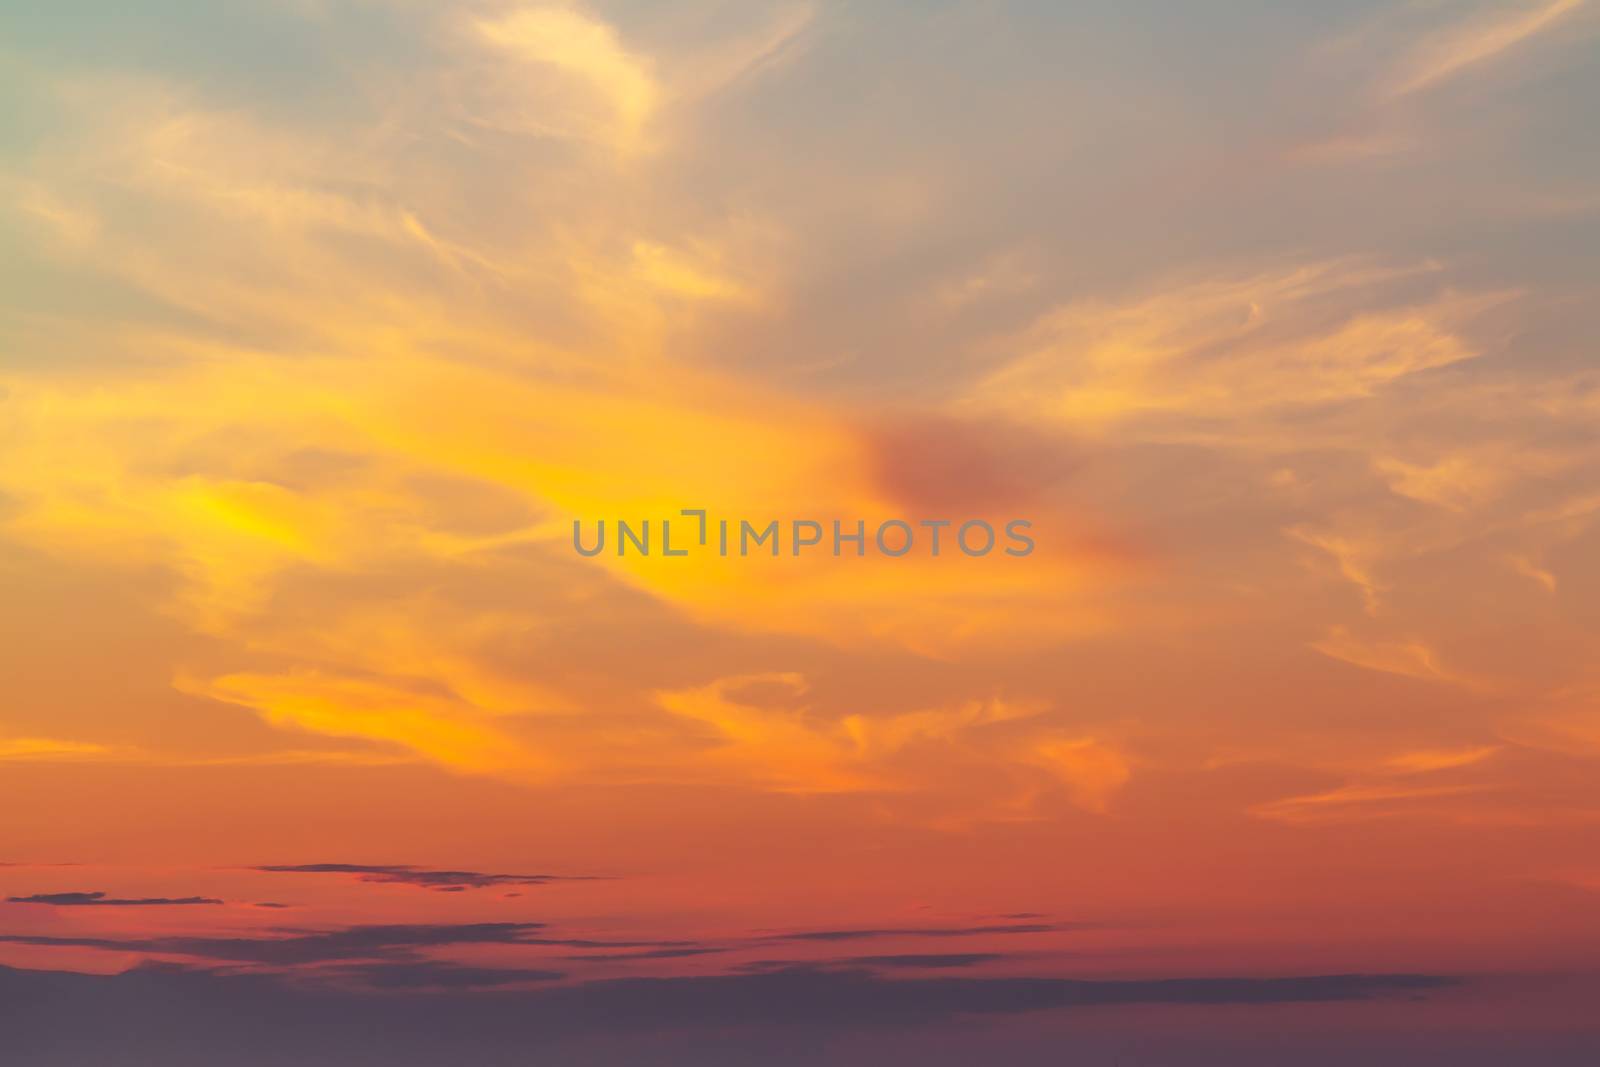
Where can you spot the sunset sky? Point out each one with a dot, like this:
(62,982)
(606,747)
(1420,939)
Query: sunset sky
(321,321)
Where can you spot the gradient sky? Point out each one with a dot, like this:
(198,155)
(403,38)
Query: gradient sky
(321,321)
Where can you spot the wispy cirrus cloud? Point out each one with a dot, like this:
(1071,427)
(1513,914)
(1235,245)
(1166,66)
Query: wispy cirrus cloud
(785,744)
(1411,659)
(1216,354)
(587,52)
(1356,803)
(307,374)
(52,750)
(1456,49)
(1427,760)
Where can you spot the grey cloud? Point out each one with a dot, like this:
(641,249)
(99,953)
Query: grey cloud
(177,1017)
(422,877)
(441,974)
(289,947)
(650,954)
(101,900)
(920,931)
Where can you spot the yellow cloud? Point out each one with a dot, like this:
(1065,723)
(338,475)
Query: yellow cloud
(1529,569)
(449,731)
(779,746)
(1225,349)
(589,52)
(50,750)
(1092,770)
(1455,482)
(1449,53)
(1354,559)
(1440,759)
(673,273)
(1412,659)
(787,744)
(1359,803)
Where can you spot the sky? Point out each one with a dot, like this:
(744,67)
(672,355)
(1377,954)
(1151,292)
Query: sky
(323,321)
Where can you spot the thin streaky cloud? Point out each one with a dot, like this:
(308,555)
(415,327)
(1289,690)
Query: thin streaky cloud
(1357,803)
(99,899)
(422,877)
(922,931)
(289,948)
(1453,51)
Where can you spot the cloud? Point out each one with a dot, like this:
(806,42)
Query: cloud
(1410,659)
(157,1011)
(444,728)
(1451,52)
(587,52)
(1436,759)
(587,942)
(649,954)
(1428,784)
(421,877)
(301,951)
(677,275)
(790,745)
(743,59)
(1455,481)
(1360,803)
(1353,557)
(1092,770)
(940,466)
(1232,351)
(900,961)
(319,384)
(439,974)
(1405,51)
(46,749)
(926,959)
(866,933)
(99,899)
(294,947)
(1531,570)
